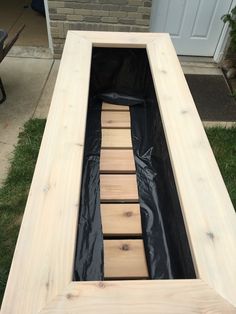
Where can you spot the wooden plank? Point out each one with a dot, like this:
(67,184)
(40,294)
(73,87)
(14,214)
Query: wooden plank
(139,297)
(124,259)
(44,255)
(117,161)
(115,119)
(208,212)
(116,138)
(117,187)
(121,219)
(111,107)
(120,39)
(52,210)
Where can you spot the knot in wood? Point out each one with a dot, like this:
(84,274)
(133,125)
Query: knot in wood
(125,247)
(101,284)
(128,214)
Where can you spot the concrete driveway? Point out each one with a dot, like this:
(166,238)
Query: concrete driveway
(29,84)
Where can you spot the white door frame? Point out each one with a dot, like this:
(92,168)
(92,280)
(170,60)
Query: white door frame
(224,38)
(48,25)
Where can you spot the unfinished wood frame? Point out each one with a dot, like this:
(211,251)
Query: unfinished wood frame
(40,279)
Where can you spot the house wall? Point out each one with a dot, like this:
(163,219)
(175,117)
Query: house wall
(96,15)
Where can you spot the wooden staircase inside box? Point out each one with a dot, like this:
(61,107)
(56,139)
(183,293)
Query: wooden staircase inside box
(124,256)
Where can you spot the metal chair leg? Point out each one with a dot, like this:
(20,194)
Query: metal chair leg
(4,96)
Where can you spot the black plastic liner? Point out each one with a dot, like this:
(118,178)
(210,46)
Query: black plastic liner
(89,253)
(123,77)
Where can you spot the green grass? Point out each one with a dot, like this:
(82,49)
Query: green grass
(223,143)
(13,194)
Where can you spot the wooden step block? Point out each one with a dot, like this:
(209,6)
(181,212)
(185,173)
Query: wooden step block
(115,119)
(106,106)
(121,219)
(117,161)
(124,259)
(118,188)
(116,138)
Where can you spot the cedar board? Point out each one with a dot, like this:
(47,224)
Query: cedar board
(40,279)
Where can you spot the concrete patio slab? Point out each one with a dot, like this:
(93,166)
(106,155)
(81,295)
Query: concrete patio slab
(200,70)
(45,100)
(24,80)
(30,52)
(14,14)
(35,24)
(10,12)
(196,66)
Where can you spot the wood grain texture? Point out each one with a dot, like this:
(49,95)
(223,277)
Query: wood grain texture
(112,107)
(115,119)
(121,219)
(120,39)
(43,259)
(117,188)
(139,297)
(117,161)
(116,138)
(44,255)
(209,215)
(124,259)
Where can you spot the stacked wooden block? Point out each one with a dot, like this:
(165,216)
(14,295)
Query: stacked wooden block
(124,256)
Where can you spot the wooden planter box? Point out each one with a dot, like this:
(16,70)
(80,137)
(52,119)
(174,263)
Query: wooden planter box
(40,279)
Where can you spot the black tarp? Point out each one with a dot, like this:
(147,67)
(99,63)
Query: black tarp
(123,77)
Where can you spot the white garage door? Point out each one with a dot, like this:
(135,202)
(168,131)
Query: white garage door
(195,25)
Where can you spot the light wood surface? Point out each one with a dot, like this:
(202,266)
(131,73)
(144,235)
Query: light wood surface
(139,297)
(124,259)
(116,188)
(209,215)
(44,254)
(120,39)
(117,161)
(115,119)
(116,138)
(121,219)
(111,107)
(42,267)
